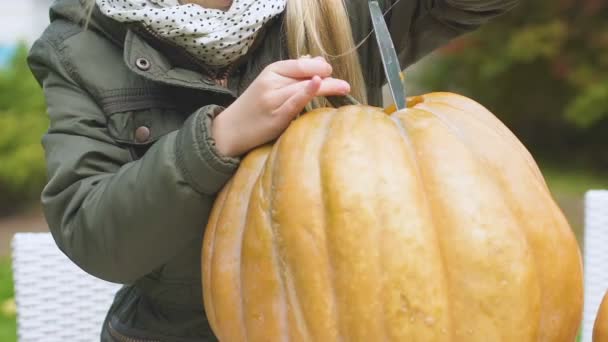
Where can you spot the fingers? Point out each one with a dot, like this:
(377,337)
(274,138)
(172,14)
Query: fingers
(298,82)
(302,68)
(306,91)
(329,86)
(333,86)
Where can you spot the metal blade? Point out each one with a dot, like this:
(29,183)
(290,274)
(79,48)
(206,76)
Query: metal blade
(392,69)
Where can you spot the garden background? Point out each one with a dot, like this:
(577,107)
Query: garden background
(542,69)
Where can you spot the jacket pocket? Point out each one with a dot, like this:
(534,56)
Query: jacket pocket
(139,129)
(115,331)
(115,335)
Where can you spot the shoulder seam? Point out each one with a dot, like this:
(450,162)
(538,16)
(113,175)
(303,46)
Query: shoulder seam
(58,44)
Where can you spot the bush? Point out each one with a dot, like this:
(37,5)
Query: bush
(22,123)
(543,69)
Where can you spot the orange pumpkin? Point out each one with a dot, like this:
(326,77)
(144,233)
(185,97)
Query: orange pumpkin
(600,328)
(430,224)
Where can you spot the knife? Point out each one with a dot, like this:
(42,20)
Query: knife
(392,69)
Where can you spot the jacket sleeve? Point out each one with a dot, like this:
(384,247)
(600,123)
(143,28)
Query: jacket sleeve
(419,27)
(116,218)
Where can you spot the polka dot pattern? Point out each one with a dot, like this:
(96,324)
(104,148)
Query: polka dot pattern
(216,37)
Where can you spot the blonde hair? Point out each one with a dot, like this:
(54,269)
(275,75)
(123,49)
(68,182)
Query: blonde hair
(322,28)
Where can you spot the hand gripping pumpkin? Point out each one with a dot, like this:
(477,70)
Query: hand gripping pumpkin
(600,328)
(430,224)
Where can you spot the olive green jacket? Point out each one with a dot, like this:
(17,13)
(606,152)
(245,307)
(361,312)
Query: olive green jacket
(132,167)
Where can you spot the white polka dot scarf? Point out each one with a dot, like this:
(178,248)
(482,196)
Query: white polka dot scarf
(216,37)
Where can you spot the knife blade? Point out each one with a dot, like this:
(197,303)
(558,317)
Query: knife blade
(392,69)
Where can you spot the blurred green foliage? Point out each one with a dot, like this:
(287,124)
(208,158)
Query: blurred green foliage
(22,123)
(8,321)
(543,70)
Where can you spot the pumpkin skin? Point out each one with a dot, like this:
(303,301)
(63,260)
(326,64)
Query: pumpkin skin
(600,327)
(430,224)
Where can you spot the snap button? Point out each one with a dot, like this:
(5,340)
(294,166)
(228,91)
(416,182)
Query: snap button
(208,80)
(142,134)
(142,64)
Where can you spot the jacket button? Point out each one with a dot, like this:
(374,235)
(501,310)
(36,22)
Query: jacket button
(142,134)
(142,64)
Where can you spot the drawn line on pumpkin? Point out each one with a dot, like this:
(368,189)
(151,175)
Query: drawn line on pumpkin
(279,264)
(397,119)
(379,141)
(287,276)
(325,221)
(261,168)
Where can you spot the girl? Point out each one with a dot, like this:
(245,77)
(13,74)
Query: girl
(152,103)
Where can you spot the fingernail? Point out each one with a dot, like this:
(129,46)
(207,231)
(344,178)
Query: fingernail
(316,63)
(346,88)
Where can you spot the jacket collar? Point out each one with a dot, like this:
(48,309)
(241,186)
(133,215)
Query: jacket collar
(135,48)
(145,60)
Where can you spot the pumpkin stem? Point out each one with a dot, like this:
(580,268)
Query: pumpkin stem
(340,101)
(410,101)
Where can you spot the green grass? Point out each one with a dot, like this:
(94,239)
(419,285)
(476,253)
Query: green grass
(568,186)
(8,323)
(572,181)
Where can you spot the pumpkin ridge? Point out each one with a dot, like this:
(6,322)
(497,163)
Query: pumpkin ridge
(370,115)
(343,143)
(257,183)
(229,232)
(487,167)
(555,218)
(429,126)
(243,227)
(290,296)
(564,229)
(500,129)
(323,198)
(508,194)
(270,168)
(378,243)
(510,203)
(419,176)
(210,248)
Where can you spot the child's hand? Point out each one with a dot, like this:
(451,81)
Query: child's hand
(271,102)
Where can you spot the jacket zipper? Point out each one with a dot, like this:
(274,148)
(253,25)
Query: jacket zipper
(122,338)
(220,78)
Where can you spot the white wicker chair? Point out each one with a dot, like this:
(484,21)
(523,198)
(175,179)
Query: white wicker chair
(56,300)
(596,256)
